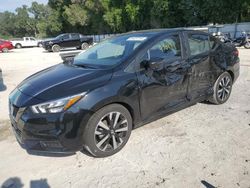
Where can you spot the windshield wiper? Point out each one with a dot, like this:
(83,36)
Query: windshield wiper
(84,66)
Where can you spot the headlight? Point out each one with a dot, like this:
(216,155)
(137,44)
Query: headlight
(57,105)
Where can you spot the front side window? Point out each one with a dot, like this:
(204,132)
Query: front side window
(111,51)
(32,39)
(63,36)
(198,44)
(166,49)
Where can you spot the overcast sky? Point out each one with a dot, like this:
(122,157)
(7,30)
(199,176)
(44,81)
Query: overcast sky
(11,5)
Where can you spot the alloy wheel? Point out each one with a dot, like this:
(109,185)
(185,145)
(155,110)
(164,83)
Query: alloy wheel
(224,88)
(111,131)
(5,50)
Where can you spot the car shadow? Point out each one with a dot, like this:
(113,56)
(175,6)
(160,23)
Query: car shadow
(207,185)
(47,154)
(2,86)
(15,182)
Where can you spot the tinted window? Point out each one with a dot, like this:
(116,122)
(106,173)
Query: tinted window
(65,37)
(32,39)
(168,48)
(75,36)
(198,43)
(213,42)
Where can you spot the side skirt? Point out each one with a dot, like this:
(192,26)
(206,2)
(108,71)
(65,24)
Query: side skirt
(172,110)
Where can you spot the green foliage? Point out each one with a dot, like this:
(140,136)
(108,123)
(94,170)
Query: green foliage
(109,16)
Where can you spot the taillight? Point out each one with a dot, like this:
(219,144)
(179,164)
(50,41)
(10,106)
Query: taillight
(236,52)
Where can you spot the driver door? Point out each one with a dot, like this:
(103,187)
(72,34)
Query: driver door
(163,77)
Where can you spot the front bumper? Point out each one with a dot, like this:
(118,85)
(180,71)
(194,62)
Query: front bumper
(50,133)
(47,46)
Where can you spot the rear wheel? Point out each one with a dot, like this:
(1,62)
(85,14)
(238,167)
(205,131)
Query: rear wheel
(5,50)
(56,48)
(18,46)
(84,46)
(222,89)
(247,45)
(40,44)
(107,131)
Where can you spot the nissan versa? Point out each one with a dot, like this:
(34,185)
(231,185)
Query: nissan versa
(94,101)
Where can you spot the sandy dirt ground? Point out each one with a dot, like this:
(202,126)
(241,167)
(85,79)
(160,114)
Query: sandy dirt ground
(202,146)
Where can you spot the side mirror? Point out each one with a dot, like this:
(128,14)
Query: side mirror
(156,64)
(153,64)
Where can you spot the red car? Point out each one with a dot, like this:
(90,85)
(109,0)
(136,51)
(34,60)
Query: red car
(5,46)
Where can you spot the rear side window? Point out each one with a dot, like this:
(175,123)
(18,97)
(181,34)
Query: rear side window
(198,44)
(168,48)
(75,36)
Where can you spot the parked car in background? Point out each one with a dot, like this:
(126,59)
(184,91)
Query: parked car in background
(26,42)
(241,41)
(67,40)
(94,101)
(5,46)
(1,77)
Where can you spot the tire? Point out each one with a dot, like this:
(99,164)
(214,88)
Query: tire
(222,89)
(84,46)
(101,138)
(247,45)
(18,46)
(5,50)
(40,45)
(56,48)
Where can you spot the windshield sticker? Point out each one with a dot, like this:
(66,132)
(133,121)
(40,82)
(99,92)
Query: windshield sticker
(136,38)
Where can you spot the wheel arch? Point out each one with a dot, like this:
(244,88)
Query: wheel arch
(231,74)
(18,44)
(122,103)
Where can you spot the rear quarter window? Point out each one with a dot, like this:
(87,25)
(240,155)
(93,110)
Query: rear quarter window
(198,44)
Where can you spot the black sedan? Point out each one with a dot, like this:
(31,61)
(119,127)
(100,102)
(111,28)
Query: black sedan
(67,40)
(94,101)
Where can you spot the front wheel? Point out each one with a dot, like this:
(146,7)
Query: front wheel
(222,89)
(56,48)
(247,45)
(5,50)
(107,131)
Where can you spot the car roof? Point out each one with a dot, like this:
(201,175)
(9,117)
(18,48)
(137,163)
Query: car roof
(164,31)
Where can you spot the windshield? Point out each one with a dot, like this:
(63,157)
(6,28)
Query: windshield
(112,51)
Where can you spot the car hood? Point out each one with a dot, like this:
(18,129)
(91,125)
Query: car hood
(63,80)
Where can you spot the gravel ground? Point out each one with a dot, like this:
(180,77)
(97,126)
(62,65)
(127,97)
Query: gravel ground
(202,146)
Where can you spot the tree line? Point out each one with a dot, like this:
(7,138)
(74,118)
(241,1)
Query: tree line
(117,16)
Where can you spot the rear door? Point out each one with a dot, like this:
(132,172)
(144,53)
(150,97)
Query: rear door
(75,40)
(201,79)
(65,41)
